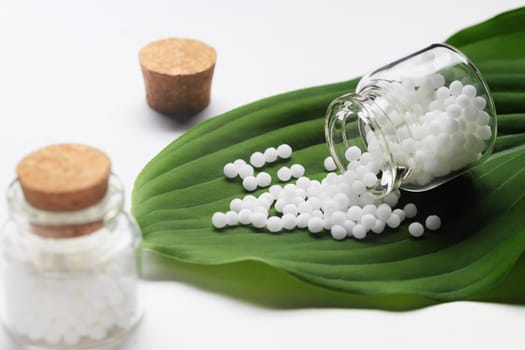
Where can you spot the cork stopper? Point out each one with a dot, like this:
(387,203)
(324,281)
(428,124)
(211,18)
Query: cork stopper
(64,177)
(177,75)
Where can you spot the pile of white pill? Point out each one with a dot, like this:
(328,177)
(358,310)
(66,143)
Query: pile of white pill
(86,308)
(339,204)
(433,129)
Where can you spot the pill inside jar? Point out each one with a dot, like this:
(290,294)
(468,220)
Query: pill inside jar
(425,119)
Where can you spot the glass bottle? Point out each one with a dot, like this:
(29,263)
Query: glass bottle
(70,278)
(428,117)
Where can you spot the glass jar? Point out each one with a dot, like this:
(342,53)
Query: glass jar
(427,117)
(70,278)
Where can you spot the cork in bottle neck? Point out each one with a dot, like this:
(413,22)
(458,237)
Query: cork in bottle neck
(64,178)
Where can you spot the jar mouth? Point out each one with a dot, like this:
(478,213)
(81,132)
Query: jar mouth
(105,210)
(350,119)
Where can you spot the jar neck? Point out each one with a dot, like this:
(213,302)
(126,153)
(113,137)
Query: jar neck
(358,119)
(65,224)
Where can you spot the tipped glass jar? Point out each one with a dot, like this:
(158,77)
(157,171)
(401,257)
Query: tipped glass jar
(424,119)
(69,277)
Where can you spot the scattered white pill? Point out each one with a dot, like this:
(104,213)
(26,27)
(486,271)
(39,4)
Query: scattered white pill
(245,216)
(433,222)
(315,225)
(284,174)
(368,221)
(236,205)
(359,231)
(297,170)
(410,210)
(393,221)
(245,170)
(302,220)
(239,162)
(218,220)
(400,213)
(289,221)
(284,151)
(231,170)
(249,183)
(258,220)
(270,155)
(329,164)
(274,224)
(383,212)
(232,218)
(416,229)
(263,179)
(257,159)
(290,209)
(338,232)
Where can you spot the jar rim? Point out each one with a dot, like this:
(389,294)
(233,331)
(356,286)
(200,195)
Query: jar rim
(109,207)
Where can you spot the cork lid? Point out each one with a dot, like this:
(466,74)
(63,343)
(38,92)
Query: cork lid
(177,75)
(64,177)
(177,56)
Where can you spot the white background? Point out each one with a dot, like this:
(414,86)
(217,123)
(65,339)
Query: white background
(69,73)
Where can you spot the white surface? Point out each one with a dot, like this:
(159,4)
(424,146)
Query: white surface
(69,73)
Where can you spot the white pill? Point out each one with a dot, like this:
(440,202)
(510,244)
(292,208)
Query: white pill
(338,218)
(329,164)
(284,174)
(378,227)
(393,221)
(239,162)
(276,190)
(258,220)
(368,221)
(433,222)
(354,213)
(358,187)
(480,103)
(274,224)
(436,81)
(352,153)
(416,229)
(410,210)
(349,226)
(454,110)
(257,159)
(302,220)
(236,204)
(245,170)
(485,132)
(442,93)
(232,218)
(305,207)
(289,221)
(399,213)
(263,179)
(369,209)
(359,231)
(284,151)
(369,179)
(245,216)
(290,209)
(231,170)
(315,225)
(297,170)
(469,91)
(249,183)
(383,212)
(456,88)
(303,182)
(218,220)
(270,155)
(338,232)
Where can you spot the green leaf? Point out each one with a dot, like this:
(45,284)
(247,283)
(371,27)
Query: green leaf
(482,238)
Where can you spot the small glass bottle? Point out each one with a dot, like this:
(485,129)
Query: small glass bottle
(69,253)
(428,117)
